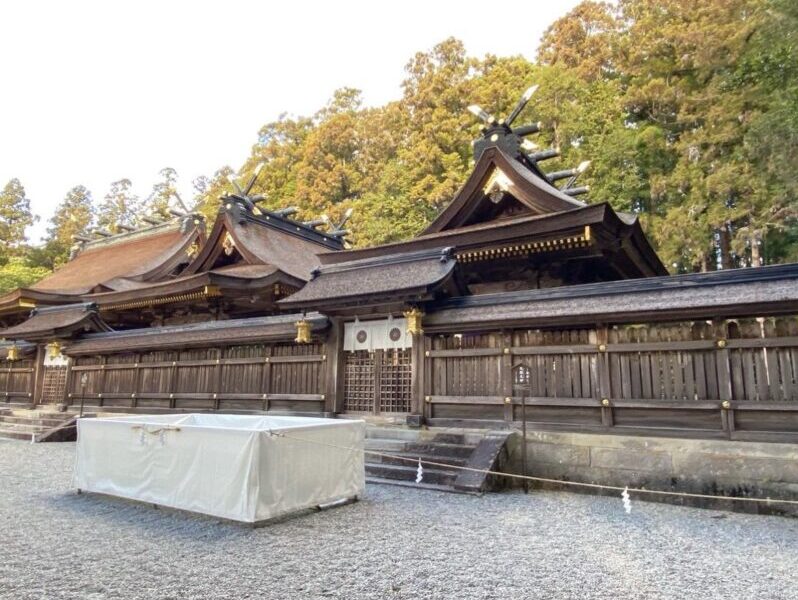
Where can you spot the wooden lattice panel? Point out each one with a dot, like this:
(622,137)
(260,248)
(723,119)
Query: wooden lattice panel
(395,381)
(53,385)
(359,381)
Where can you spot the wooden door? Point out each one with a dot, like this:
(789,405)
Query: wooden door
(378,381)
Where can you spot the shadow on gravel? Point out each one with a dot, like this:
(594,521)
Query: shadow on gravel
(114,513)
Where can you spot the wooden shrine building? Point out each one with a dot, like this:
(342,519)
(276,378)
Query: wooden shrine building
(518,295)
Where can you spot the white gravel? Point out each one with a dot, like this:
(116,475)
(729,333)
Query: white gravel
(395,543)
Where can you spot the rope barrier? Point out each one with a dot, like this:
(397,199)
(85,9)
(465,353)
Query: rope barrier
(539,479)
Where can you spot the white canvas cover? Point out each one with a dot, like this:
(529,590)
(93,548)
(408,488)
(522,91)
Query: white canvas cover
(240,467)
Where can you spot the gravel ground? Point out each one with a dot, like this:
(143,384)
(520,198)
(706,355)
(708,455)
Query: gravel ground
(395,543)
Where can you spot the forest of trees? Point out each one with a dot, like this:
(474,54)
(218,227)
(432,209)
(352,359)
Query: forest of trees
(688,110)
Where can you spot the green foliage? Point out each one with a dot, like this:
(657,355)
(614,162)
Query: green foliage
(688,111)
(120,206)
(74,216)
(15,217)
(18,273)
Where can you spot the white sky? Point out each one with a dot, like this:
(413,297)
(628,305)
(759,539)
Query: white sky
(96,91)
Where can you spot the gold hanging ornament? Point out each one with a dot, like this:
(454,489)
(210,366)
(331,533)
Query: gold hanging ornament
(414,316)
(13,353)
(54,350)
(302,331)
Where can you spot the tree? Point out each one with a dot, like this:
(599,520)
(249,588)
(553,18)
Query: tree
(18,273)
(74,216)
(164,194)
(583,41)
(15,217)
(120,205)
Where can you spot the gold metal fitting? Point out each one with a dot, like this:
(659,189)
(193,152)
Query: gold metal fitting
(324,396)
(414,316)
(426,353)
(605,402)
(508,400)
(721,343)
(507,351)
(725,405)
(54,349)
(13,353)
(602,347)
(427,398)
(302,331)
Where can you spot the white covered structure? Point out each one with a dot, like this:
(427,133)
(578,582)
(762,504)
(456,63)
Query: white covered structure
(244,468)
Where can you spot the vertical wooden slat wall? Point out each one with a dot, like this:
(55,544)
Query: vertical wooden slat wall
(279,377)
(728,379)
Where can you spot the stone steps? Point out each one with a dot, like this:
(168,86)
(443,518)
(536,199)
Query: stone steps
(36,425)
(401,448)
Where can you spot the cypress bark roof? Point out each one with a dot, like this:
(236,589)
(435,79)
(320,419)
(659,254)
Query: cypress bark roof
(57,322)
(234,331)
(409,276)
(758,291)
(264,240)
(136,255)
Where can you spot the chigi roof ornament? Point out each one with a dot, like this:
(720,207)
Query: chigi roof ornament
(512,141)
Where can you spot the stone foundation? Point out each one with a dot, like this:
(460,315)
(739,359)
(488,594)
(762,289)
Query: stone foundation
(725,468)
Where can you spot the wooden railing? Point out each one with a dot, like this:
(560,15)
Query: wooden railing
(240,378)
(736,379)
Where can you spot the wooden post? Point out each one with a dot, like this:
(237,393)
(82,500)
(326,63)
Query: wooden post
(506,371)
(334,351)
(136,380)
(170,383)
(377,370)
(426,377)
(603,367)
(216,382)
(38,374)
(266,377)
(723,367)
(67,382)
(101,380)
(417,373)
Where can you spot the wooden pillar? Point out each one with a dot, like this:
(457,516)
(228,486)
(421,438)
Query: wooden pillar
(67,382)
(426,377)
(266,377)
(378,356)
(38,374)
(334,379)
(418,365)
(216,381)
(170,383)
(603,367)
(723,367)
(506,368)
(101,380)
(136,380)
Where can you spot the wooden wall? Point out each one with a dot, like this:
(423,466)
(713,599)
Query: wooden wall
(17,381)
(729,379)
(279,377)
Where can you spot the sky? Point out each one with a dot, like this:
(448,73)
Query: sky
(93,92)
